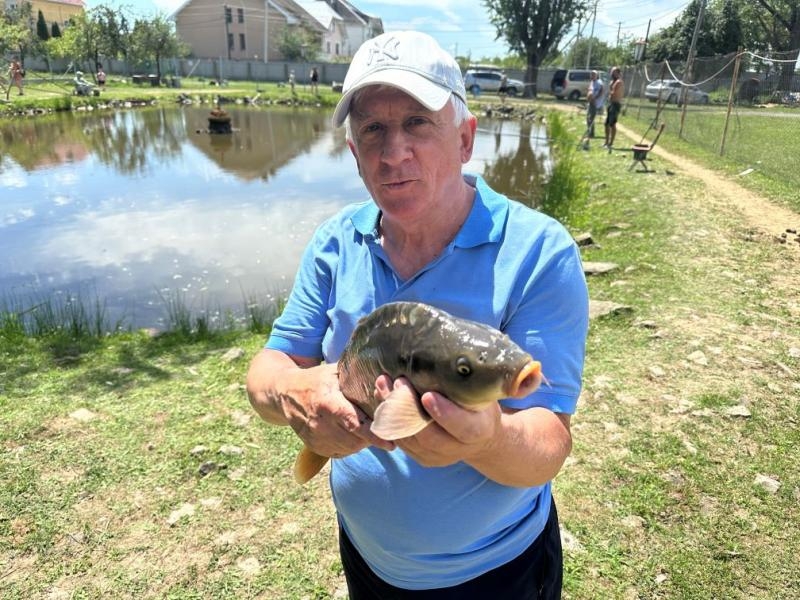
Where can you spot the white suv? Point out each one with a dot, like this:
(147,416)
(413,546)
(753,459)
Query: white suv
(570,83)
(478,80)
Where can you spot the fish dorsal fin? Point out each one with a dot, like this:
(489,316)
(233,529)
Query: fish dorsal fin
(307,464)
(400,415)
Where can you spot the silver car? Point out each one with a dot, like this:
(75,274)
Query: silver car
(477,81)
(670,91)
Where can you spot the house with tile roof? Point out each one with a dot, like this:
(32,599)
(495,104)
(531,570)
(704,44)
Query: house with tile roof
(252,29)
(54,11)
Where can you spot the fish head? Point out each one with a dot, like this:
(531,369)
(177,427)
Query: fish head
(472,364)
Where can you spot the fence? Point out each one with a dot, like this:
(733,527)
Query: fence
(743,106)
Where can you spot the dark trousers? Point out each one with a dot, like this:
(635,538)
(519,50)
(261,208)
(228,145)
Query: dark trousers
(536,574)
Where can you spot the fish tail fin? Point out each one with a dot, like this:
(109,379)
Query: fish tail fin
(307,464)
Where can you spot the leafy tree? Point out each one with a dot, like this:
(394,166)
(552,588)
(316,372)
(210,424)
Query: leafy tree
(673,42)
(299,44)
(42,31)
(56,30)
(603,55)
(727,28)
(15,31)
(155,39)
(533,28)
(782,19)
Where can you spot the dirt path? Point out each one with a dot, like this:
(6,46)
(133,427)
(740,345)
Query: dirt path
(759,211)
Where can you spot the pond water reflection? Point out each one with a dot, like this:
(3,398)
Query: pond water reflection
(133,207)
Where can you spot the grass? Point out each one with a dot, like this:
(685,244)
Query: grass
(46,93)
(762,140)
(133,465)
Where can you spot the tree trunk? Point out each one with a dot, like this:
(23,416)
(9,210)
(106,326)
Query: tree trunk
(531,76)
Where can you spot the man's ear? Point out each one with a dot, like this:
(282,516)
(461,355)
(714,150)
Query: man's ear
(354,152)
(467,130)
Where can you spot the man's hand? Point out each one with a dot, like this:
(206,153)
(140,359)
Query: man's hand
(456,434)
(290,391)
(520,448)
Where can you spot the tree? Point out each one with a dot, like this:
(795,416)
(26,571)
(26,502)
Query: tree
(299,44)
(785,18)
(15,30)
(673,42)
(42,31)
(602,54)
(56,30)
(727,28)
(155,39)
(533,28)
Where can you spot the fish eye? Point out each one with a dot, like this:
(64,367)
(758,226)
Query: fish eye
(463,366)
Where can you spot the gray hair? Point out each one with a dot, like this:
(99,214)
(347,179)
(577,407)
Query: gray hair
(460,108)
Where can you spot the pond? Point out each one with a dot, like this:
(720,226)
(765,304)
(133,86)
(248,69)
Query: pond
(142,208)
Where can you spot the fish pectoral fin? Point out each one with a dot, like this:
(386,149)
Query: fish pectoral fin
(400,415)
(307,464)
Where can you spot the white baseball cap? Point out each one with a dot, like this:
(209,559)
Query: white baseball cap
(408,60)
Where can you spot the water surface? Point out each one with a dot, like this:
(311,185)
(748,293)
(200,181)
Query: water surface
(135,207)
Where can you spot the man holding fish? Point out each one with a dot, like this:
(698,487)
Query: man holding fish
(410,347)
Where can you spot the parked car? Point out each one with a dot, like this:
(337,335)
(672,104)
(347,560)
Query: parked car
(477,81)
(571,83)
(669,92)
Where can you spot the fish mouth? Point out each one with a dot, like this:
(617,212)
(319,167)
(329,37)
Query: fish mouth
(526,380)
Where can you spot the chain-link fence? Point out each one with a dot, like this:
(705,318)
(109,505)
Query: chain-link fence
(744,106)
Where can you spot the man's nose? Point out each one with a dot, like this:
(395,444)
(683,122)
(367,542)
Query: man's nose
(396,146)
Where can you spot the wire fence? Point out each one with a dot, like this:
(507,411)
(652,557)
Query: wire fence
(743,106)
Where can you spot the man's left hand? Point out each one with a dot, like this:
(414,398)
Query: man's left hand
(456,433)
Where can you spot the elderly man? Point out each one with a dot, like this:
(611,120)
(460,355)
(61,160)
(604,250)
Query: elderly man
(464,508)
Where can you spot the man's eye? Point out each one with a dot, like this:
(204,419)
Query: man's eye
(416,121)
(371,128)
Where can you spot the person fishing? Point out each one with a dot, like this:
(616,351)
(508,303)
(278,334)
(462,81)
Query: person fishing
(616,92)
(464,508)
(595,99)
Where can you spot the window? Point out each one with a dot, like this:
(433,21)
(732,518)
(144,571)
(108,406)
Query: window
(240,14)
(230,41)
(337,48)
(242,45)
(228,14)
(329,47)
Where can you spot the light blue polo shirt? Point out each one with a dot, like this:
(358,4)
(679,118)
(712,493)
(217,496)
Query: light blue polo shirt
(510,267)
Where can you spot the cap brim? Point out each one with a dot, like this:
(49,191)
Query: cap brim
(431,95)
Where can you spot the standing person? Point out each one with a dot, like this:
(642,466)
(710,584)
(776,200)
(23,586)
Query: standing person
(503,86)
(16,74)
(314,80)
(463,509)
(616,92)
(596,98)
(101,76)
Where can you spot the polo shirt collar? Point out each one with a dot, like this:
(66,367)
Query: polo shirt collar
(484,223)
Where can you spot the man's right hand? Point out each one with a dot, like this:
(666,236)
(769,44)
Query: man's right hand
(301,393)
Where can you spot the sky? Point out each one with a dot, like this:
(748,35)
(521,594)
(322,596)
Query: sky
(462,26)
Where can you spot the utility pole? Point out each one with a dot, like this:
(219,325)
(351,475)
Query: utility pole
(591,37)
